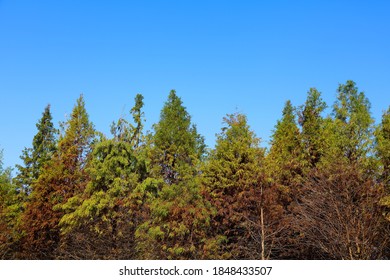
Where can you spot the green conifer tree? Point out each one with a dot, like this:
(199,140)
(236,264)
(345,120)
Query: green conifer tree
(287,166)
(285,160)
(177,146)
(64,177)
(35,158)
(105,214)
(382,135)
(312,124)
(353,124)
(382,141)
(11,206)
(234,183)
(177,214)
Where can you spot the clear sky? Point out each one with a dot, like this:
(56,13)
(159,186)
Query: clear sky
(220,56)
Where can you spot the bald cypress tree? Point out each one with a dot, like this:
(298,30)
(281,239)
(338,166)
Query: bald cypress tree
(382,141)
(177,213)
(287,165)
(353,124)
(312,127)
(285,160)
(35,158)
(176,142)
(104,216)
(62,178)
(382,136)
(234,183)
(11,206)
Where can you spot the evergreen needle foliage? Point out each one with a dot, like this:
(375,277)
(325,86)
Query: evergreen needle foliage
(320,191)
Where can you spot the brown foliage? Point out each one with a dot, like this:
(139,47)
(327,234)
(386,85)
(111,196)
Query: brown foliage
(340,217)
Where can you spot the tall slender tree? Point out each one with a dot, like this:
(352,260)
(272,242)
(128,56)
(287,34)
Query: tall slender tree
(11,205)
(106,214)
(287,165)
(382,136)
(382,141)
(64,177)
(312,124)
(35,158)
(235,185)
(285,160)
(176,142)
(177,212)
(353,127)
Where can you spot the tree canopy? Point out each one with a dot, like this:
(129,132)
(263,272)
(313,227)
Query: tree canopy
(319,190)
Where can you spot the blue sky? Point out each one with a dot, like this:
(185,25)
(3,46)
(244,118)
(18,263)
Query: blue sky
(220,56)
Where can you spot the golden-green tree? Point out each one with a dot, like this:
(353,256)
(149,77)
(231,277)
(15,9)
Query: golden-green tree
(177,213)
(62,178)
(246,210)
(352,129)
(11,206)
(105,215)
(382,136)
(312,127)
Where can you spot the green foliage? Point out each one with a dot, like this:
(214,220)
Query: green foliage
(286,160)
(312,125)
(176,229)
(176,145)
(353,124)
(321,190)
(233,181)
(107,208)
(123,130)
(35,158)
(176,210)
(11,206)
(112,173)
(382,137)
(62,178)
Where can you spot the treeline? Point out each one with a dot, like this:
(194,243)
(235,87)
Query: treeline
(321,190)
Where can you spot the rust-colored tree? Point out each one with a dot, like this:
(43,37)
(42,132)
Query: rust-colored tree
(104,217)
(245,223)
(340,216)
(61,179)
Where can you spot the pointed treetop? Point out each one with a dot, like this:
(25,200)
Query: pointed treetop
(288,109)
(313,107)
(353,122)
(175,128)
(237,130)
(352,105)
(35,158)
(176,142)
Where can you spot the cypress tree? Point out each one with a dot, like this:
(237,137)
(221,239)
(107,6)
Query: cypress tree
(286,170)
(312,124)
(177,214)
(64,177)
(382,141)
(106,213)
(382,136)
(285,160)
(11,206)
(35,158)
(177,146)
(353,124)
(234,183)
